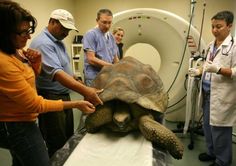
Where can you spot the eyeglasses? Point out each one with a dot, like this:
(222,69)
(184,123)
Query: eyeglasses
(25,33)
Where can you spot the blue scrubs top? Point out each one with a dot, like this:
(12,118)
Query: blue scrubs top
(104,47)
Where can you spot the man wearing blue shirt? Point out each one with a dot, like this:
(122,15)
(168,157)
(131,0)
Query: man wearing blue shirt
(56,79)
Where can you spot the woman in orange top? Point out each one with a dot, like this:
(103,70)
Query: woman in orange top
(20,104)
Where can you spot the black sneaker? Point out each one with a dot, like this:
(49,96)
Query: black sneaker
(206,157)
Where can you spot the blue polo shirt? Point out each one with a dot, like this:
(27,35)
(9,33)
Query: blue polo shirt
(104,47)
(54,59)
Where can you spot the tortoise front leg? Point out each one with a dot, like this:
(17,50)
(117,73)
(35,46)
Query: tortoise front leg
(165,138)
(101,116)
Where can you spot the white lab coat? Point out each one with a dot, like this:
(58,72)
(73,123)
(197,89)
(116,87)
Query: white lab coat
(223,89)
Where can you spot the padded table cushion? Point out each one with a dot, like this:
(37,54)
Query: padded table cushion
(109,149)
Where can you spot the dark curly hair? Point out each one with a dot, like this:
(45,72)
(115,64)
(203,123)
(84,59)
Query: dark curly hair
(11,15)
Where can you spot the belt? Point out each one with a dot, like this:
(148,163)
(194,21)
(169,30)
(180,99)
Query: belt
(48,92)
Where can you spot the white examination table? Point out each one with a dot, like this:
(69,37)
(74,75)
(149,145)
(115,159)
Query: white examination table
(110,149)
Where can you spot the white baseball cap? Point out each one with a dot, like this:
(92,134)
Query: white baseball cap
(65,18)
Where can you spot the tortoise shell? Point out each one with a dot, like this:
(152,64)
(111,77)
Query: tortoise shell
(132,82)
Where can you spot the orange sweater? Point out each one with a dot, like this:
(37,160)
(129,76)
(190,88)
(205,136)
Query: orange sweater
(18,97)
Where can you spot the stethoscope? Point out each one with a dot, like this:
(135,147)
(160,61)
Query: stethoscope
(224,50)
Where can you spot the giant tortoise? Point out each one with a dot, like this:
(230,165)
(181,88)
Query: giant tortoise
(134,99)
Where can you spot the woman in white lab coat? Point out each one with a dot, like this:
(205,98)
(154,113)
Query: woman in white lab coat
(218,91)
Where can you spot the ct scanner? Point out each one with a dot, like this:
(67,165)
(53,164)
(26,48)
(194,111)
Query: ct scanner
(158,38)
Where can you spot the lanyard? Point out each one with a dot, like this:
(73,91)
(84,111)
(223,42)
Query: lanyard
(213,53)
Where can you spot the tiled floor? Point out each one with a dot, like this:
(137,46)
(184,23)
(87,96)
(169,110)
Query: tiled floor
(190,157)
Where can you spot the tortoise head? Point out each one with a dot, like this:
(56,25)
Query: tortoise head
(121,115)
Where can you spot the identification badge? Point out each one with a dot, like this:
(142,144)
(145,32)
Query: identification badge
(208,76)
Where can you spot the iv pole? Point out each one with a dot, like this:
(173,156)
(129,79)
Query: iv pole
(192,92)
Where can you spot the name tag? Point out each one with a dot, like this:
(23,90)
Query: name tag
(208,76)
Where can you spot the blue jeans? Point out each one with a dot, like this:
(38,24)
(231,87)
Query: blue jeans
(25,143)
(56,127)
